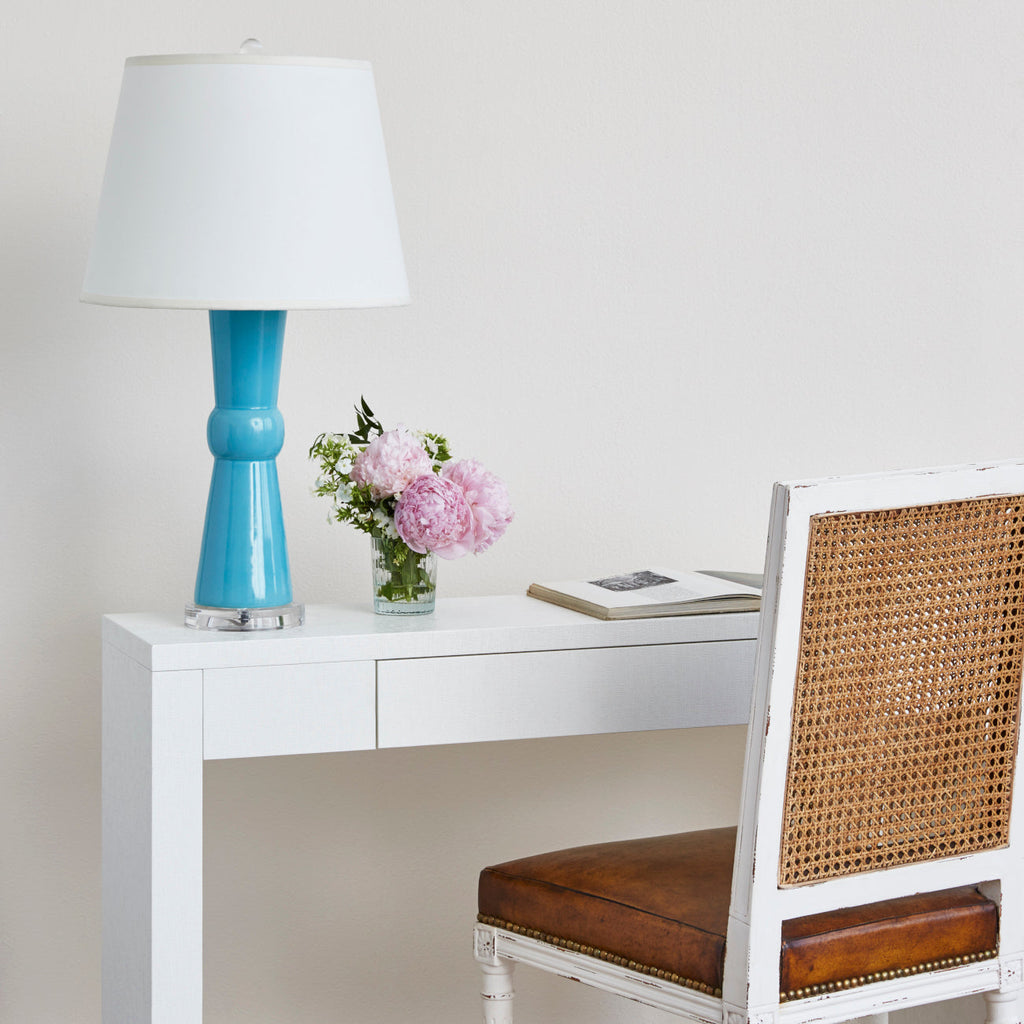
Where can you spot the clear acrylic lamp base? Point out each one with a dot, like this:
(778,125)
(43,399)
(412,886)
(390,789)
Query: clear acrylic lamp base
(242,620)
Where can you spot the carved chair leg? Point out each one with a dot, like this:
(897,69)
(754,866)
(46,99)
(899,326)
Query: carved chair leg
(1002,1008)
(496,994)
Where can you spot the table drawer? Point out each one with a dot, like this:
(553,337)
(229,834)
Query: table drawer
(296,709)
(563,693)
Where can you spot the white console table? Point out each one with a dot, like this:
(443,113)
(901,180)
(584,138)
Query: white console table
(477,669)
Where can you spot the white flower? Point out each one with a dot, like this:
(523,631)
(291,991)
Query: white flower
(384,523)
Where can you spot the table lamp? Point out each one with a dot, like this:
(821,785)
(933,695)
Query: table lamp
(247,185)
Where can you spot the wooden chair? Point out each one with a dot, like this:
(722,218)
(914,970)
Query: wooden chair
(878,861)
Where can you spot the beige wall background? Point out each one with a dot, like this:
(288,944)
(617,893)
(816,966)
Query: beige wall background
(661,253)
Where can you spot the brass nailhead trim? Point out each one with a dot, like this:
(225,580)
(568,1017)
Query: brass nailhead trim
(699,986)
(899,972)
(600,954)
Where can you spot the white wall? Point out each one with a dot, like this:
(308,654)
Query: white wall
(662,253)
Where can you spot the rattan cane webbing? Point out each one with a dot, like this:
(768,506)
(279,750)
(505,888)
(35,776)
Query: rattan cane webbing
(908,688)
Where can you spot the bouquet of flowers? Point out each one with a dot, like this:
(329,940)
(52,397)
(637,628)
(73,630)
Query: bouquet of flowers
(404,489)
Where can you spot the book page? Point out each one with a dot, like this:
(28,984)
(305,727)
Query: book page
(658,586)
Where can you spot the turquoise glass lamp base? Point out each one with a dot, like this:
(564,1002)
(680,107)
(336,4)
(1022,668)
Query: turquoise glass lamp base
(243,582)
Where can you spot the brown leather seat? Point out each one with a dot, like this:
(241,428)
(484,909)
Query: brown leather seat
(661,906)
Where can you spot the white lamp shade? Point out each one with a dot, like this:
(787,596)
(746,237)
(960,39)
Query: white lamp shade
(246,182)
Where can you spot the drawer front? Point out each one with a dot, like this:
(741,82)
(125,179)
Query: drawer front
(563,693)
(288,709)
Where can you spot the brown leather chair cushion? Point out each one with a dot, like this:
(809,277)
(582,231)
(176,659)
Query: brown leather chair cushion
(661,905)
(893,937)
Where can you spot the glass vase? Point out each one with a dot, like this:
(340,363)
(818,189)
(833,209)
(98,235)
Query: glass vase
(404,582)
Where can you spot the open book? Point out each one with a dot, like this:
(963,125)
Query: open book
(652,592)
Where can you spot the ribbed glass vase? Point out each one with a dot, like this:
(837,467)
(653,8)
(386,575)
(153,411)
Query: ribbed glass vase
(404,582)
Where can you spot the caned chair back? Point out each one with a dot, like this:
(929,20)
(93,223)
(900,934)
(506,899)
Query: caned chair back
(884,737)
(907,688)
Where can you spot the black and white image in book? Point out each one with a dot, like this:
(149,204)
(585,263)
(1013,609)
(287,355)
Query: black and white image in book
(633,581)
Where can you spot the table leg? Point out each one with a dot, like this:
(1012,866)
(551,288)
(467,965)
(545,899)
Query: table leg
(152,844)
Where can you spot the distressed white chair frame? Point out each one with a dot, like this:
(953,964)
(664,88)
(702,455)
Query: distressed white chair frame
(758,904)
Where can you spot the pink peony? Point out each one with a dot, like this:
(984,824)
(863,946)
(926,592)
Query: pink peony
(389,463)
(488,501)
(433,515)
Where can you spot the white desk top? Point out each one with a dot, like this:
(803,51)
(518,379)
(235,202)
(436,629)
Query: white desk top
(458,626)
